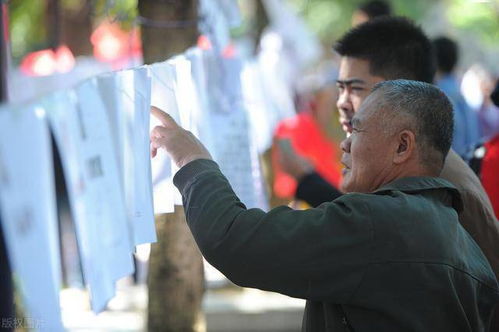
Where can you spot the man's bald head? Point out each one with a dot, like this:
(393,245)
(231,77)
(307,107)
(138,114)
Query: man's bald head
(422,108)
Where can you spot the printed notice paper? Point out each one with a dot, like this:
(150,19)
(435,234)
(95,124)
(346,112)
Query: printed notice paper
(83,135)
(126,95)
(218,83)
(163,96)
(27,205)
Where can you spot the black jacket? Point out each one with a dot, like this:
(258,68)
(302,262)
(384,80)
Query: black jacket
(393,260)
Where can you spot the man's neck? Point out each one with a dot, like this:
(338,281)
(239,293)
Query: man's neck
(407,170)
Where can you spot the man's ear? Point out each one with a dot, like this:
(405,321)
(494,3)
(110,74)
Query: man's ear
(406,145)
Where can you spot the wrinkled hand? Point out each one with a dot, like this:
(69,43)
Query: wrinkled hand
(291,163)
(182,146)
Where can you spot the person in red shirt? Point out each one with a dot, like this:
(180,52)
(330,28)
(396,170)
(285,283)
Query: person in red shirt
(490,172)
(307,134)
(485,162)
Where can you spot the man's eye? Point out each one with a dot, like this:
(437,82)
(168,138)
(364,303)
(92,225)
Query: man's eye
(356,130)
(357,88)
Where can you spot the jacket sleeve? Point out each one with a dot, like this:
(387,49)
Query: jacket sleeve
(316,254)
(314,190)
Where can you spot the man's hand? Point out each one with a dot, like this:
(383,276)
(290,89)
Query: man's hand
(182,146)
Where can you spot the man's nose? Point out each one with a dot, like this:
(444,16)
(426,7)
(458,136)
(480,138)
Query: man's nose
(344,101)
(345,144)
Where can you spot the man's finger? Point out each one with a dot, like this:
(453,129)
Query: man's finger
(155,145)
(159,131)
(164,117)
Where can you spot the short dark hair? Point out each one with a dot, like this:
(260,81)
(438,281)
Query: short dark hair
(430,116)
(375,8)
(446,53)
(394,46)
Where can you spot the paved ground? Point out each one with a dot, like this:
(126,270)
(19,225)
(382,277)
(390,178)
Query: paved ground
(227,309)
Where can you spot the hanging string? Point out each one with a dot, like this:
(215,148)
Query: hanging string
(140,20)
(166,24)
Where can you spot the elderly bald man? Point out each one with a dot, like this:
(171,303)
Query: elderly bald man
(389,256)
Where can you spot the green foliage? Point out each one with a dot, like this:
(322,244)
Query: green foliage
(27,26)
(328,18)
(122,11)
(27,20)
(331,18)
(478,17)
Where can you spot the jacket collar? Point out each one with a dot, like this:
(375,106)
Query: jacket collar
(419,184)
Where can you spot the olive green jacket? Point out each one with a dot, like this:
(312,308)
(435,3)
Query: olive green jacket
(393,260)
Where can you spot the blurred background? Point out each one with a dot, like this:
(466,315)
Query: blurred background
(106,29)
(57,43)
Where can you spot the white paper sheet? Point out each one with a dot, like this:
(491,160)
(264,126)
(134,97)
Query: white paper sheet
(192,113)
(126,95)
(279,73)
(84,137)
(163,83)
(214,24)
(231,11)
(188,99)
(136,102)
(107,85)
(218,80)
(27,200)
(174,91)
(297,37)
(261,112)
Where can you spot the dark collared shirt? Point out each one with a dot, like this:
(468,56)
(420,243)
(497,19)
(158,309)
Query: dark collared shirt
(393,260)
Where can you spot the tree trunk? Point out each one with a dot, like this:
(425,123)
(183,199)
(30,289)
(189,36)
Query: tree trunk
(76,25)
(160,43)
(53,17)
(176,280)
(70,25)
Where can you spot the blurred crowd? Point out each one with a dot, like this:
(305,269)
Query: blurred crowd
(309,142)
